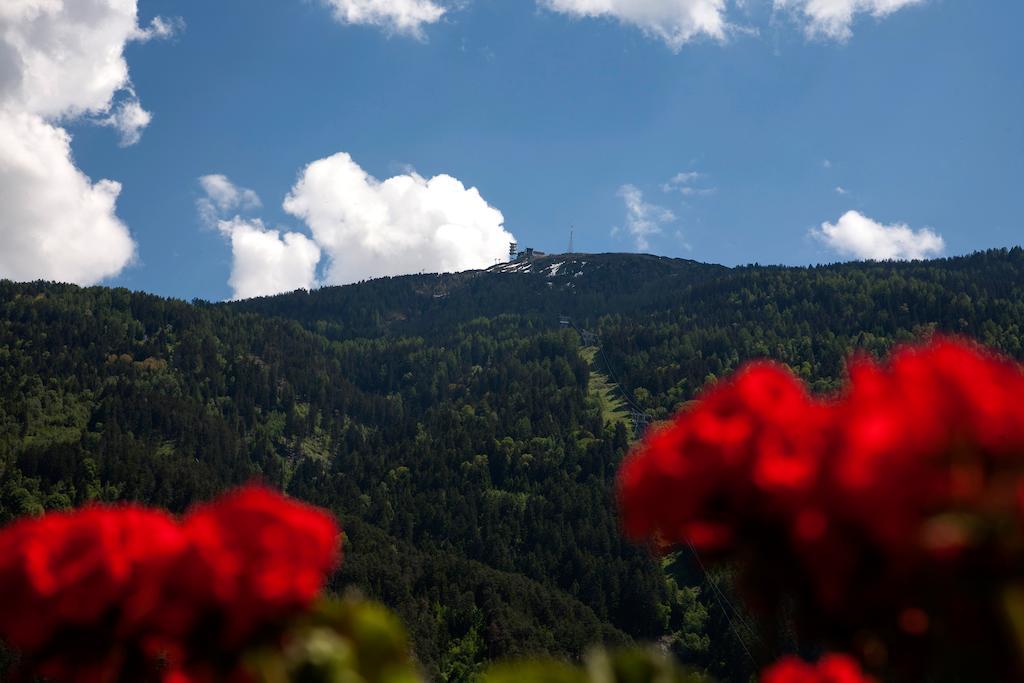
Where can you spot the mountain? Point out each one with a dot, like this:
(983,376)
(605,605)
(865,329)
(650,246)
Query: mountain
(457,424)
(582,285)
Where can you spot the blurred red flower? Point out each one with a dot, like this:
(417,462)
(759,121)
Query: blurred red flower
(893,498)
(829,669)
(127,593)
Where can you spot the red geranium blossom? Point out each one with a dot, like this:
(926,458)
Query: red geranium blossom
(752,445)
(829,669)
(899,496)
(111,593)
(265,560)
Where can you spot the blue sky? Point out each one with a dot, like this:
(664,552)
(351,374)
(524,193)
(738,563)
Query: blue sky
(788,141)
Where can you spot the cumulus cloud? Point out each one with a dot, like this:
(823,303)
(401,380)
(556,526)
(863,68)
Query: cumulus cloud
(683,183)
(858,236)
(643,219)
(55,223)
(370,228)
(395,16)
(60,60)
(265,261)
(64,58)
(676,22)
(833,19)
(222,197)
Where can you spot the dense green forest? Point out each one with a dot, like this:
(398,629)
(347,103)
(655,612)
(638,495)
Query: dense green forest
(451,421)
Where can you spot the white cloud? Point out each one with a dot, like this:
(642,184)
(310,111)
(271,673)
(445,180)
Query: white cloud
(367,228)
(64,58)
(265,262)
(858,236)
(643,219)
(841,190)
(370,228)
(396,16)
(60,60)
(676,22)
(683,184)
(55,223)
(680,179)
(224,197)
(130,119)
(160,28)
(833,19)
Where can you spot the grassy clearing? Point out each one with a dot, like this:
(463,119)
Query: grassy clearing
(606,393)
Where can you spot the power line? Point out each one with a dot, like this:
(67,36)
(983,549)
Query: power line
(722,599)
(608,367)
(716,592)
(718,598)
(640,417)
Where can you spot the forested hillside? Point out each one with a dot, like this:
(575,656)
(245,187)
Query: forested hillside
(450,421)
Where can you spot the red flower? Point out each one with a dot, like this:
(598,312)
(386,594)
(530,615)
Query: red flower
(102,593)
(829,669)
(907,485)
(265,557)
(753,442)
(75,569)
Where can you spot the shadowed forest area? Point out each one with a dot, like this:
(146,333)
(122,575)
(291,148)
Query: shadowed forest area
(466,441)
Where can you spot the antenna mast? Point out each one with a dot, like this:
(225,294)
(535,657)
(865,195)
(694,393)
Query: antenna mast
(570,238)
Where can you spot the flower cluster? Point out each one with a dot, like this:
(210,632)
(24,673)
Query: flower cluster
(128,593)
(878,509)
(829,669)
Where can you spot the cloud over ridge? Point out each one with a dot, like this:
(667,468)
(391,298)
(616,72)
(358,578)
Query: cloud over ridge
(264,261)
(55,223)
(405,224)
(858,236)
(365,228)
(61,60)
